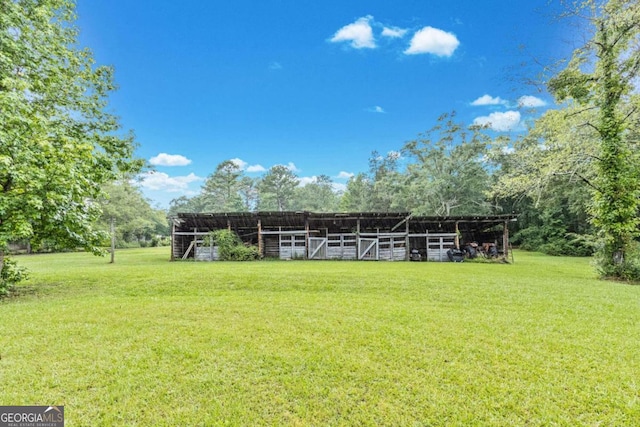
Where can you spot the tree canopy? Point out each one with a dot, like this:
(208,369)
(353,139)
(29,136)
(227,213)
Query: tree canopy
(135,220)
(592,138)
(277,188)
(58,142)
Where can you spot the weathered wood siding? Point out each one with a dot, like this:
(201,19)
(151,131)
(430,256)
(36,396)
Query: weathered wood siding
(293,247)
(392,248)
(206,253)
(341,246)
(271,246)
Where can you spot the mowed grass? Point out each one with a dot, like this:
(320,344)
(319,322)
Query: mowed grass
(148,342)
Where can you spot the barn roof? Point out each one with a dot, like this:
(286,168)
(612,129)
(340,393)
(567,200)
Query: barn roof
(338,222)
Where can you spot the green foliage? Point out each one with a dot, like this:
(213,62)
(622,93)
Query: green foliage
(316,196)
(448,175)
(552,241)
(276,189)
(58,143)
(230,246)
(558,223)
(10,275)
(592,142)
(556,155)
(443,173)
(603,76)
(627,269)
(221,190)
(385,182)
(248,191)
(135,220)
(184,204)
(356,198)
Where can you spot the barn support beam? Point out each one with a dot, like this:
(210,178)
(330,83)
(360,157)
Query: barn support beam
(260,240)
(358,236)
(306,237)
(505,239)
(173,241)
(407,251)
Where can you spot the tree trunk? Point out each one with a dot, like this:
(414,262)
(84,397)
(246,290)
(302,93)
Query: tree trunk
(616,205)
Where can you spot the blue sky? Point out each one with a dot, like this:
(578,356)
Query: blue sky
(315,85)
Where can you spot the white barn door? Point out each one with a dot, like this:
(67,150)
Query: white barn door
(368,249)
(317,248)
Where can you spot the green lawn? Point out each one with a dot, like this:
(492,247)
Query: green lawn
(148,342)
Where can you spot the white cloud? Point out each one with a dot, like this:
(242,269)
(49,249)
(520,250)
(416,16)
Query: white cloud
(246,167)
(292,167)
(240,163)
(164,159)
(376,109)
(501,122)
(359,34)
(306,180)
(393,32)
(489,100)
(530,102)
(275,66)
(434,41)
(256,168)
(345,175)
(163,182)
(338,187)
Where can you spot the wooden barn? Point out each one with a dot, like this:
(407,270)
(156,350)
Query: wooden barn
(391,236)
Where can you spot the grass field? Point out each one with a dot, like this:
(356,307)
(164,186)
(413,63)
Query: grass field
(148,342)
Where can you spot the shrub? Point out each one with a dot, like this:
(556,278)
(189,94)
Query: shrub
(230,247)
(627,268)
(553,241)
(10,275)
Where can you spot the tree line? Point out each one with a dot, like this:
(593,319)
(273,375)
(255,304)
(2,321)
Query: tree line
(444,172)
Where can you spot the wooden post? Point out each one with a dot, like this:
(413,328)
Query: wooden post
(194,242)
(358,238)
(407,250)
(113,240)
(173,240)
(457,239)
(505,240)
(306,237)
(260,240)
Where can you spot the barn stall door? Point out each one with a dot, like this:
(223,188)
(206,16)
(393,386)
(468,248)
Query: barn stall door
(317,248)
(368,249)
(392,248)
(438,245)
(292,246)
